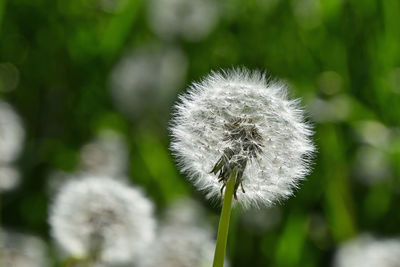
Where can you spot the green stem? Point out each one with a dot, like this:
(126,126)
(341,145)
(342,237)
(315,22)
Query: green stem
(75,262)
(223,227)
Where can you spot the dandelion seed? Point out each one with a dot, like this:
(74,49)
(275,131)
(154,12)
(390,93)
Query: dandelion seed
(102,219)
(241,123)
(368,251)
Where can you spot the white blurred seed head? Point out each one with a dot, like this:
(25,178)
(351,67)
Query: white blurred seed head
(11,133)
(9,178)
(185,211)
(368,251)
(184,240)
(241,120)
(22,250)
(147,79)
(107,154)
(189,19)
(371,165)
(336,109)
(373,133)
(102,216)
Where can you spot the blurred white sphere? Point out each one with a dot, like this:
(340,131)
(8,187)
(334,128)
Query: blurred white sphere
(102,218)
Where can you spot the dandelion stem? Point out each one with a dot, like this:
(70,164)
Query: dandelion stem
(72,261)
(223,227)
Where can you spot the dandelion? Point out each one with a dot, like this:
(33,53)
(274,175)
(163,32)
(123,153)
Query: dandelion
(183,240)
(238,121)
(367,251)
(102,220)
(22,250)
(147,75)
(11,133)
(9,178)
(189,19)
(11,141)
(236,129)
(107,154)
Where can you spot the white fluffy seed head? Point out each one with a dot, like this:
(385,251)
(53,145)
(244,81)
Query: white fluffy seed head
(180,245)
(368,251)
(240,119)
(102,217)
(9,178)
(22,250)
(11,133)
(184,239)
(146,79)
(107,154)
(188,19)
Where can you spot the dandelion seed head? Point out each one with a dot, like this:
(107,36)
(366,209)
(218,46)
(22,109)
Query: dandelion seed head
(190,19)
(147,75)
(22,250)
(102,216)
(184,239)
(371,166)
(240,120)
(11,133)
(368,251)
(9,178)
(107,154)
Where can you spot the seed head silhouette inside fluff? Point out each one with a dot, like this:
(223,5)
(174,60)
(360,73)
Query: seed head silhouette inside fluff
(103,220)
(241,122)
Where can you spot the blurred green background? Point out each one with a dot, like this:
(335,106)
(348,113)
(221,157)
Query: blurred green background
(66,67)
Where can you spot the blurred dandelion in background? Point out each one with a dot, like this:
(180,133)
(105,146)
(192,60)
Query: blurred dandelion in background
(335,109)
(184,238)
(11,142)
(147,80)
(372,158)
(331,105)
(184,211)
(11,133)
(9,178)
(371,165)
(373,133)
(368,251)
(240,120)
(191,20)
(102,220)
(22,250)
(107,154)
